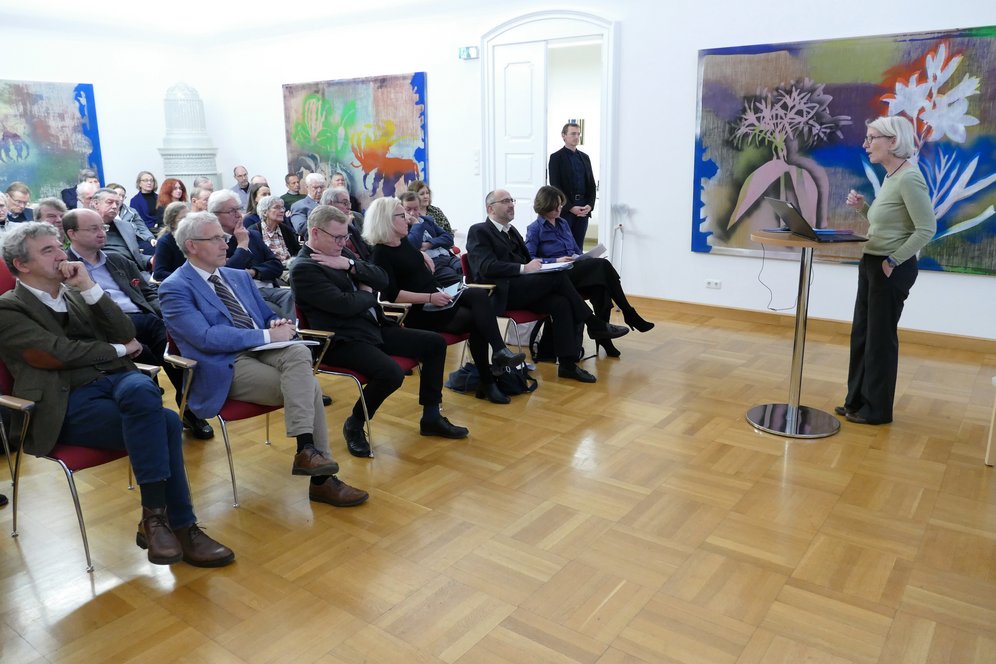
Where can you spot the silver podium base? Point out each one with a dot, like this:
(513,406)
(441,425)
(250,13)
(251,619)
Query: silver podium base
(805,422)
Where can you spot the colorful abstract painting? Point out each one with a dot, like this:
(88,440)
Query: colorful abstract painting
(371,129)
(49,134)
(788,120)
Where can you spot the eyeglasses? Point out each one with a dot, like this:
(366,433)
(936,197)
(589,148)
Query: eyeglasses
(506,201)
(94,229)
(232,211)
(400,214)
(339,239)
(869,139)
(213,238)
(339,201)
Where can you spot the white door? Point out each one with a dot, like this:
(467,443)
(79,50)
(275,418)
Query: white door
(519,113)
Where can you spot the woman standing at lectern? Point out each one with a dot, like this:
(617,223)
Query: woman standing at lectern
(901,222)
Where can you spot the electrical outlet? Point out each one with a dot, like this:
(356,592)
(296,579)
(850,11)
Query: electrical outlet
(714,283)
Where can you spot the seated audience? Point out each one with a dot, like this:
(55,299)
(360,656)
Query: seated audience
(424,234)
(216,316)
(118,278)
(202,182)
(199,199)
(247,251)
(337,291)
(171,191)
(3,213)
(146,200)
(498,255)
(51,211)
(338,198)
(340,181)
(18,197)
(410,279)
(275,229)
(69,348)
(256,192)
(168,255)
(314,185)
(127,214)
(550,239)
(425,206)
(293,195)
(84,194)
(68,194)
(121,237)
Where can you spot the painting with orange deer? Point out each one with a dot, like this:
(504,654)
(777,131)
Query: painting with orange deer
(372,130)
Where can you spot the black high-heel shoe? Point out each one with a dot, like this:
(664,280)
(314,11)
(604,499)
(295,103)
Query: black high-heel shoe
(606,345)
(635,322)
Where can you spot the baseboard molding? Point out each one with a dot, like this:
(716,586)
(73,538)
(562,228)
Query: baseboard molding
(819,325)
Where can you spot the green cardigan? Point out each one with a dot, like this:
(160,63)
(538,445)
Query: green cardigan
(901,219)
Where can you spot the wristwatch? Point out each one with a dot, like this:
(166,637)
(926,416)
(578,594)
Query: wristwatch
(893,263)
(352,263)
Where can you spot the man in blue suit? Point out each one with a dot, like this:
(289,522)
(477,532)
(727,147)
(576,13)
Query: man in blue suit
(217,317)
(314,185)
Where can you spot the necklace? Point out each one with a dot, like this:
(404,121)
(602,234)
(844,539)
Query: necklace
(896,170)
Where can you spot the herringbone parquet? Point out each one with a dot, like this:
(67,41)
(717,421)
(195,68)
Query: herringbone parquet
(640,519)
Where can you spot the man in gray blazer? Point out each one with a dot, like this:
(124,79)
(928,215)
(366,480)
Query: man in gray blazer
(314,184)
(121,236)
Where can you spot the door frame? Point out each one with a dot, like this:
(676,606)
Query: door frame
(546,26)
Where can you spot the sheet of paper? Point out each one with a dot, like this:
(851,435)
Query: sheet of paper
(554,267)
(596,252)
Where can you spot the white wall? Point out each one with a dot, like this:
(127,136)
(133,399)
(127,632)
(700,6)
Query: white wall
(239,80)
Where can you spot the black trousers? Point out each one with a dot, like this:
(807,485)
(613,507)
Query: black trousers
(552,294)
(472,313)
(874,363)
(579,225)
(384,376)
(150,331)
(598,280)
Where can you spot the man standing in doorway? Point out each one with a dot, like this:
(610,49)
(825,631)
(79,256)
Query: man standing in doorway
(570,172)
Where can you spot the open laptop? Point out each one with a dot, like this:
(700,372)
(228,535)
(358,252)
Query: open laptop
(798,225)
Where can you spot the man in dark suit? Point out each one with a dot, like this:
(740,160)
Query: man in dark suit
(570,172)
(68,347)
(498,255)
(216,316)
(119,279)
(247,251)
(69,193)
(337,291)
(314,185)
(121,236)
(18,197)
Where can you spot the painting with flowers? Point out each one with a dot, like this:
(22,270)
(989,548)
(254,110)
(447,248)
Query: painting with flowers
(787,120)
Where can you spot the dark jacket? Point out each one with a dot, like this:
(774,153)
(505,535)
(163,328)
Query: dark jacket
(129,281)
(286,231)
(258,257)
(560,177)
(495,259)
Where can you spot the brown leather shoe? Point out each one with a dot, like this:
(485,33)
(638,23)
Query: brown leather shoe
(155,535)
(336,492)
(200,550)
(310,461)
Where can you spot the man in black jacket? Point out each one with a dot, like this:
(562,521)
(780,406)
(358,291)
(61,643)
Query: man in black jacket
(120,279)
(570,172)
(336,291)
(498,255)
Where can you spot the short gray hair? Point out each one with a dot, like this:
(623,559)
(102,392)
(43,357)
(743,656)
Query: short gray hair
(87,173)
(51,202)
(201,180)
(899,128)
(329,195)
(85,186)
(15,241)
(378,223)
(220,197)
(264,204)
(314,178)
(190,227)
(103,193)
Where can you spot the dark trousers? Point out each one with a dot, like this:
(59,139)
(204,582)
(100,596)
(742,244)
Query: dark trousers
(124,411)
(384,376)
(555,295)
(598,280)
(472,313)
(579,225)
(150,331)
(874,363)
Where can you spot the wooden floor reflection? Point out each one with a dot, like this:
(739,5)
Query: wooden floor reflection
(639,519)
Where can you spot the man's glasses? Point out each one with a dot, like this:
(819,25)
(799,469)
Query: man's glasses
(94,229)
(339,239)
(213,238)
(506,201)
(232,211)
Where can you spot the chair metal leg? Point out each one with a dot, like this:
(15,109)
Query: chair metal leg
(79,513)
(363,404)
(6,449)
(131,477)
(231,463)
(13,497)
(267,416)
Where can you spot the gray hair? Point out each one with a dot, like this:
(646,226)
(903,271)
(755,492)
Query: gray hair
(103,193)
(378,223)
(190,228)
(51,202)
(322,215)
(220,197)
(201,180)
(330,194)
(264,204)
(87,173)
(197,191)
(83,187)
(15,241)
(314,178)
(899,128)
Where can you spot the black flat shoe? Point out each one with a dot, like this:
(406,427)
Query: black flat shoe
(635,322)
(492,393)
(356,441)
(606,345)
(841,410)
(443,428)
(858,419)
(574,372)
(326,400)
(199,428)
(505,358)
(599,330)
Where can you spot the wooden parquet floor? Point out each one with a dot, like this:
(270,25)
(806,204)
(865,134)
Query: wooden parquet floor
(640,519)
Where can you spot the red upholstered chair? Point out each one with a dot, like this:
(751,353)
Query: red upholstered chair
(407,364)
(516,316)
(71,458)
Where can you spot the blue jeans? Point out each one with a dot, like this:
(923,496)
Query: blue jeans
(124,411)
